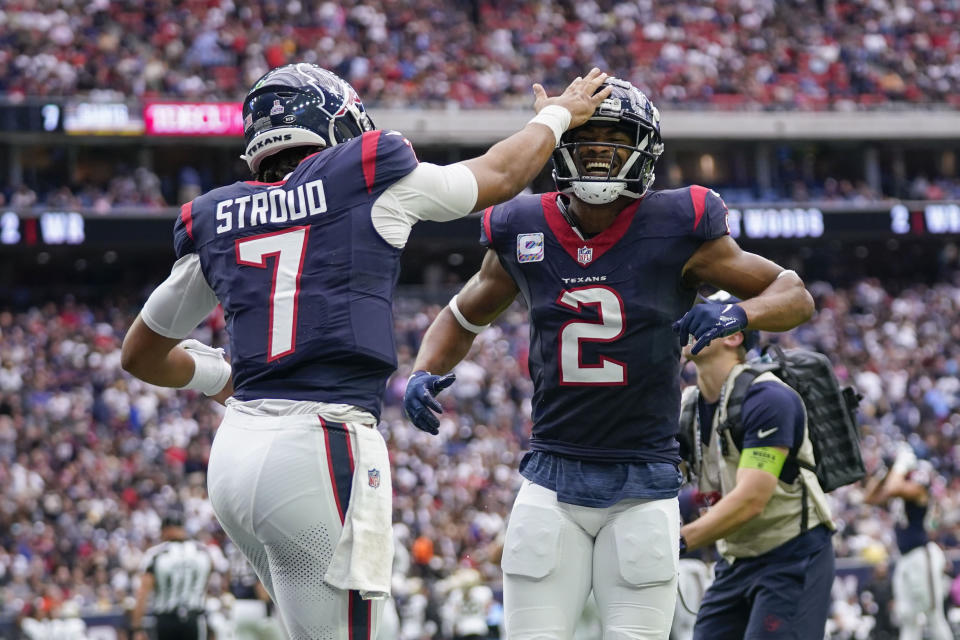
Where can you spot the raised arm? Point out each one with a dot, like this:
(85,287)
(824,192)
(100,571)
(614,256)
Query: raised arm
(448,192)
(773,299)
(509,166)
(896,483)
(449,338)
(873,491)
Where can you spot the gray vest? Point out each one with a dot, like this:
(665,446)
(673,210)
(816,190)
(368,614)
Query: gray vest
(782,519)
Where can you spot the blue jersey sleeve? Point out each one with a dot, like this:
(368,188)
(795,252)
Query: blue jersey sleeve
(386,156)
(710,213)
(486,233)
(772,416)
(492,228)
(183,232)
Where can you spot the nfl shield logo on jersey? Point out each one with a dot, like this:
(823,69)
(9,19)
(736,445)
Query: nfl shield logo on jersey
(373,477)
(585,255)
(529,247)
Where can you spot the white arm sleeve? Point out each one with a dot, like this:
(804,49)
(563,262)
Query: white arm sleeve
(181,302)
(429,192)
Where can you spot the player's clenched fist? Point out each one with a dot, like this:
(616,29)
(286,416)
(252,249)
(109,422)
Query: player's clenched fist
(419,399)
(707,322)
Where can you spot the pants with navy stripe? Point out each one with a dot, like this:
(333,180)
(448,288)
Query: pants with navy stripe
(280,486)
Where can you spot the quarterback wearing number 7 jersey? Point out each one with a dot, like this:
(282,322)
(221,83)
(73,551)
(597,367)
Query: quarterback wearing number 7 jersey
(304,260)
(606,268)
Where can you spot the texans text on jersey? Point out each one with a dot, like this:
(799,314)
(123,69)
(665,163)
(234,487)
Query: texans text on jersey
(583,279)
(275,205)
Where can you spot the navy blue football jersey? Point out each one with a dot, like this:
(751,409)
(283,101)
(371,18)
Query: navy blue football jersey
(910,525)
(603,357)
(305,280)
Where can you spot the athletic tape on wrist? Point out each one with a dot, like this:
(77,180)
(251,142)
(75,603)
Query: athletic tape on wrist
(466,324)
(210,371)
(556,117)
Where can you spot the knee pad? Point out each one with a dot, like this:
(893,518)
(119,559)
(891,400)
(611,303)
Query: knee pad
(645,547)
(532,543)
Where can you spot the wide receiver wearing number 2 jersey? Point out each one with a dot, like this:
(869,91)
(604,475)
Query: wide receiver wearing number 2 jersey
(602,351)
(304,260)
(605,268)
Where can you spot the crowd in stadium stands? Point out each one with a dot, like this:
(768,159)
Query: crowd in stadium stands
(137,189)
(843,54)
(741,54)
(91,459)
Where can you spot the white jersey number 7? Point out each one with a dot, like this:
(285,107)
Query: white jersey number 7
(287,248)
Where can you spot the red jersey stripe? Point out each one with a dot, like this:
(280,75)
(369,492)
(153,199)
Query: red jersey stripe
(486,224)
(698,195)
(186,214)
(368,146)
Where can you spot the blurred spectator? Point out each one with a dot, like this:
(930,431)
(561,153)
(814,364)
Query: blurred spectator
(91,459)
(845,54)
(47,620)
(23,197)
(877,597)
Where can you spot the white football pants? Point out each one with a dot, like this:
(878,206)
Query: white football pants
(555,553)
(279,486)
(918,593)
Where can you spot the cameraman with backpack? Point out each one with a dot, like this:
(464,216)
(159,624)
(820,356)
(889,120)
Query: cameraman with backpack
(751,452)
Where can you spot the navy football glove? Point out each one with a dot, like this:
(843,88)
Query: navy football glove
(419,402)
(709,321)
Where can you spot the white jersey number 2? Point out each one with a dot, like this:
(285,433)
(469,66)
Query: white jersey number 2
(609,327)
(288,249)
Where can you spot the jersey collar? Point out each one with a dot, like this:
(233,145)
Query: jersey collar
(571,241)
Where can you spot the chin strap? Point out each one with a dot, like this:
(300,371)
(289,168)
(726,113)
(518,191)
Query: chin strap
(601,192)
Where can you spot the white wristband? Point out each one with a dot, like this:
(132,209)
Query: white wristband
(210,371)
(556,117)
(466,324)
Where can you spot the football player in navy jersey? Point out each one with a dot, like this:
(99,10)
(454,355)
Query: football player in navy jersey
(918,589)
(304,260)
(606,268)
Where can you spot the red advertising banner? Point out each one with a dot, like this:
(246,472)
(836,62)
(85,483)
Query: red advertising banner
(193,118)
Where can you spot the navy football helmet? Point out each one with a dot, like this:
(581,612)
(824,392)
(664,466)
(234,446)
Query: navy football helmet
(300,105)
(628,109)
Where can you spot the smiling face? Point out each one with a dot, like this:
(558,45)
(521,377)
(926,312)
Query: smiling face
(594,151)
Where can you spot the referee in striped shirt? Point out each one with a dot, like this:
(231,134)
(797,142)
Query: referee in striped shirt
(175,572)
